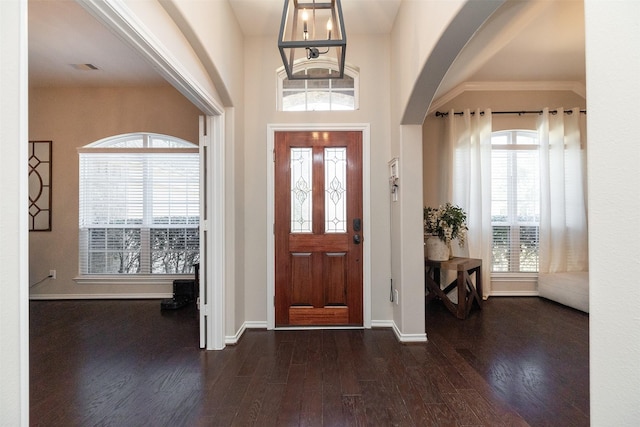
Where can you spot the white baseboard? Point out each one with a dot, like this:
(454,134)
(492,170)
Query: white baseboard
(382,323)
(258,324)
(403,338)
(233,339)
(251,324)
(514,293)
(255,324)
(159,295)
(408,338)
(315,328)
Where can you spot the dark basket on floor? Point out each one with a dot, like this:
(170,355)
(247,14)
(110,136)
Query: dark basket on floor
(185,292)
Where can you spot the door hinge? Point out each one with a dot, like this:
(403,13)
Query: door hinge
(273,153)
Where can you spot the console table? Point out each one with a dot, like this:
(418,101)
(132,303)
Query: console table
(468,293)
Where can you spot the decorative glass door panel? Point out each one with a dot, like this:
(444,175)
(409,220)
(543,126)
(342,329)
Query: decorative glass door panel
(301,190)
(335,183)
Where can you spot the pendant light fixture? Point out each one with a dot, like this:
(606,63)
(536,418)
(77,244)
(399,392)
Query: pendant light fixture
(310,30)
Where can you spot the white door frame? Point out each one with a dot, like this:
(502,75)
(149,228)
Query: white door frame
(366,207)
(125,24)
(212,233)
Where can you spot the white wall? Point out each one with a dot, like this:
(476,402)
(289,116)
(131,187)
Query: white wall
(261,60)
(613,67)
(215,36)
(418,26)
(14,315)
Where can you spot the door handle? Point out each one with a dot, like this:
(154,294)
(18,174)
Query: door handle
(357,239)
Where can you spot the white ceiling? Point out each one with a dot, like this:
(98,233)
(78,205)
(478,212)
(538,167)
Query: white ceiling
(524,41)
(262,17)
(534,40)
(62,33)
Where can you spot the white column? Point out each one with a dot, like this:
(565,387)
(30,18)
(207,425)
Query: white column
(407,239)
(612,69)
(14,239)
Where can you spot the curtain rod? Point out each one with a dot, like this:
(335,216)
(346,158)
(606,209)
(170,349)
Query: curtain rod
(520,113)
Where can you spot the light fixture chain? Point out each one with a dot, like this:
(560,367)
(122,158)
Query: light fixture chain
(314,20)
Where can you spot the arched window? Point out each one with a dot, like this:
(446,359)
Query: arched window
(318,94)
(139,206)
(515,201)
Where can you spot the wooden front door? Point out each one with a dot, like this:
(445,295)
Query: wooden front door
(318,228)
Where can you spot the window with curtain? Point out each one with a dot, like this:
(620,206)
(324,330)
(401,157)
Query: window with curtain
(524,193)
(139,206)
(515,201)
(318,94)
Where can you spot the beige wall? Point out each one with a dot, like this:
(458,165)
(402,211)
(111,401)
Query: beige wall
(261,60)
(74,117)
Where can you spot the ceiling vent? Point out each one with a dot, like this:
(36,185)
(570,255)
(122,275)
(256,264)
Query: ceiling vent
(85,67)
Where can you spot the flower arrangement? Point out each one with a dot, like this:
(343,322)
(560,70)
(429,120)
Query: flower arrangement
(448,222)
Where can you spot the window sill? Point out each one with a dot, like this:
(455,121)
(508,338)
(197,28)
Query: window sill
(110,279)
(514,284)
(514,277)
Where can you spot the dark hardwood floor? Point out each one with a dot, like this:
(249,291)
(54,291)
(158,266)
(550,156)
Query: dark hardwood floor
(533,353)
(517,362)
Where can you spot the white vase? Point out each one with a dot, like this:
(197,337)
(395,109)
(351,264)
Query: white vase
(437,250)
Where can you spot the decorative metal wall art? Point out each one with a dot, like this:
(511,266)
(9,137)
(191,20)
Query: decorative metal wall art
(39,185)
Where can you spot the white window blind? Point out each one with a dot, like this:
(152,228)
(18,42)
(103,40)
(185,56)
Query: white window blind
(515,201)
(138,211)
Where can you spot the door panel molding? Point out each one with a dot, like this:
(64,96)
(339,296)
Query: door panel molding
(322,188)
(364,128)
(311,316)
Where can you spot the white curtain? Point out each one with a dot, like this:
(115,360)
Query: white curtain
(469,185)
(563,204)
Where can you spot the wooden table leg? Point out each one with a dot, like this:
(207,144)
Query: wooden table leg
(479,286)
(468,292)
(462,295)
(474,295)
(434,290)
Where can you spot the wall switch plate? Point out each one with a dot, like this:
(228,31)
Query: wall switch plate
(396,296)
(52,273)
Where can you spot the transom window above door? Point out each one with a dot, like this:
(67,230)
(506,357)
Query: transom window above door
(318,94)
